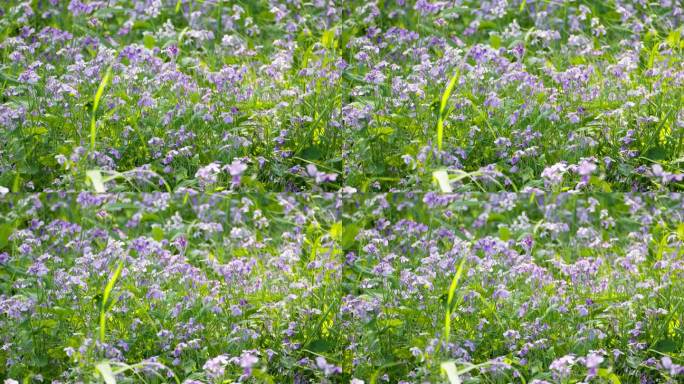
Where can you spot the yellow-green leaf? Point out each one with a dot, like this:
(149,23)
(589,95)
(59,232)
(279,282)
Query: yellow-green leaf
(449,368)
(95,178)
(105,371)
(442,178)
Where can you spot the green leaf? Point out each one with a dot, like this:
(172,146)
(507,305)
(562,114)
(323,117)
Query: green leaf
(328,38)
(495,41)
(608,375)
(673,38)
(95,178)
(449,368)
(106,372)
(680,231)
(105,298)
(349,233)
(336,231)
(450,298)
(504,233)
(5,231)
(96,103)
(149,41)
(442,179)
(666,346)
(656,153)
(157,233)
(442,107)
(320,346)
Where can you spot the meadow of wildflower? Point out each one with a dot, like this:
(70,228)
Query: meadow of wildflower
(288,95)
(341,191)
(339,288)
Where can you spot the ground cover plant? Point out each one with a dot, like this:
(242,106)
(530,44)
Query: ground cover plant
(341,191)
(377,95)
(411,288)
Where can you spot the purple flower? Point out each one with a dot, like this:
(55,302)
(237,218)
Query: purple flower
(29,77)
(553,175)
(592,362)
(492,100)
(501,293)
(236,169)
(586,167)
(673,369)
(320,177)
(216,367)
(208,175)
(375,77)
(248,359)
(562,366)
(327,368)
(38,269)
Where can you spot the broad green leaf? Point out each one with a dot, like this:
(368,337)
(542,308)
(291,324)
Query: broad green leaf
(157,233)
(495,41)
(504,233)
(328,38)
(5,232)
(442,179)
(106,372)
(449,368)
(95,178)
(608,375)
(336,230)
(680,231)
(149,41)
(673,38)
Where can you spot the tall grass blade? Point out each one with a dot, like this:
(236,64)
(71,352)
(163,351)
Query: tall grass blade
(450,298)
(105,298)
(442,108)
(96,103)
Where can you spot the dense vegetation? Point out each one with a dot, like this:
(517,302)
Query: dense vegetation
(291,95)
(336,288)
(341,191)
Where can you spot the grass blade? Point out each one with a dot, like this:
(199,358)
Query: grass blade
(442,108)
(96,103)
(105,298)
(450,298)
